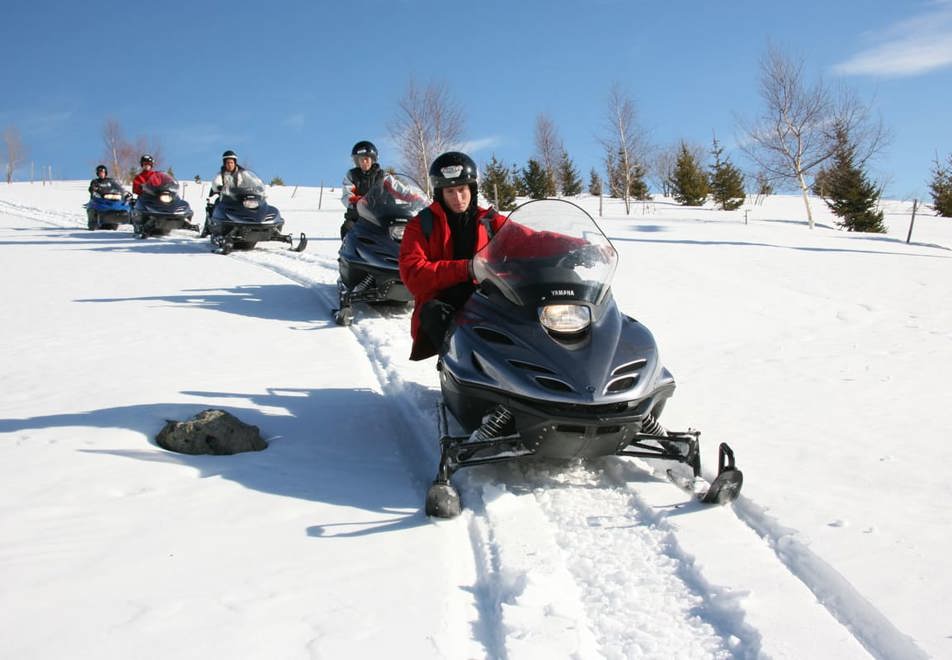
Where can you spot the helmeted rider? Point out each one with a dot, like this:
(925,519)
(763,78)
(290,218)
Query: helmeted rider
(228,175)
(102,179)
(147,163)
(358,181)
(438,246)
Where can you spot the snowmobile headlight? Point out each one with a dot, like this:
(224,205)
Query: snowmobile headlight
(250,203)
(565,319)
(396,231)
(165,197)
(112,196)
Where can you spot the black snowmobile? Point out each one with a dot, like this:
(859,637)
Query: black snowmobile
(159,209)
(367,259)
(242,217)
(540,363)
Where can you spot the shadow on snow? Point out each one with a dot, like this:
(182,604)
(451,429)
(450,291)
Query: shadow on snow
(279,302)
(337,446)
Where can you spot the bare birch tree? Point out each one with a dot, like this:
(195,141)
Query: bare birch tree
(664,161)
(548,151)
(625,144)
(117,152)
(428,123)
(122,156)
(790,138)
(14,151)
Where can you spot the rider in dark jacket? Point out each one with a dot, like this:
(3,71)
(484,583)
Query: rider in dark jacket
(102,179)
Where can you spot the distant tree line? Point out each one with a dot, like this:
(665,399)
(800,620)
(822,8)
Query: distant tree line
(811,136)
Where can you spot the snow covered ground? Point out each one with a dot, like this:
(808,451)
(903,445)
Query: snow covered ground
(821,356)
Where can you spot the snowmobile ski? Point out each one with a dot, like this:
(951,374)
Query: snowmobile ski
(725,487)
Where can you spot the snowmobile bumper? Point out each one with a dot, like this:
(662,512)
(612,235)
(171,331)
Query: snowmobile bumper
(516,430)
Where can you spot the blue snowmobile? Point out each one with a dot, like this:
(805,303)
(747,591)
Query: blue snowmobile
(108,205)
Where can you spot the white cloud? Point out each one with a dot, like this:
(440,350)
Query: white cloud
(911,47)
(480,144)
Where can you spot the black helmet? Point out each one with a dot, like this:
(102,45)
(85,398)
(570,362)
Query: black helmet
(229,154)
(146,158)
(453,168)
(101,168)
(364,148)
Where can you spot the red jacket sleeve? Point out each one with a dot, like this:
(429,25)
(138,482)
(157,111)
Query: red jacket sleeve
(423,273)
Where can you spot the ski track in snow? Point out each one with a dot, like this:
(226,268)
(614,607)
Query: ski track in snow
(518,572)
(587,526)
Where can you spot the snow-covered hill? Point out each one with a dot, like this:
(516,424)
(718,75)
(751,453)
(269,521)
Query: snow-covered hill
(821,356)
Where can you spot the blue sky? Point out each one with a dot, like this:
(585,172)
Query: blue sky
(291,86)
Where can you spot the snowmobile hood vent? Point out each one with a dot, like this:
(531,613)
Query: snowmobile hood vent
(625,377)
(629,368)
(554,384)
(493,336)
(529,366)
(622,384)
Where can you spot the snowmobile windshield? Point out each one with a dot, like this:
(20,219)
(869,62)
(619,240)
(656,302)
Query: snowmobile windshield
(244,183)
(549,250)
(109,186)
(159,182)
(392,197)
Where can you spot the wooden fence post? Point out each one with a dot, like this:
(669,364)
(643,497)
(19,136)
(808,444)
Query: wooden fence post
(915,205)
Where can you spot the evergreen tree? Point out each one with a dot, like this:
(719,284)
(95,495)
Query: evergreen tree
(850,195)
(941,188)
(821,183)
(277,181)
(616,178)
(518,182)
(594,183)
(764,187)
(568,176)
(726,181)
(639,187)
(688,181)
(551,184)
(170,172)
(535,180)
(496,185)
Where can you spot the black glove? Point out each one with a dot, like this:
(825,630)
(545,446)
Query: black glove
(351,214)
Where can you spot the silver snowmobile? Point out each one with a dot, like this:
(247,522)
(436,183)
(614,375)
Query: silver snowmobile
(540,363)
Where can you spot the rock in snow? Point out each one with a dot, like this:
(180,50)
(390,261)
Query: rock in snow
(210,432)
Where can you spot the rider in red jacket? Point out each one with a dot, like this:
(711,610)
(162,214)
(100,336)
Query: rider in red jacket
(147,163)
(437,250)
